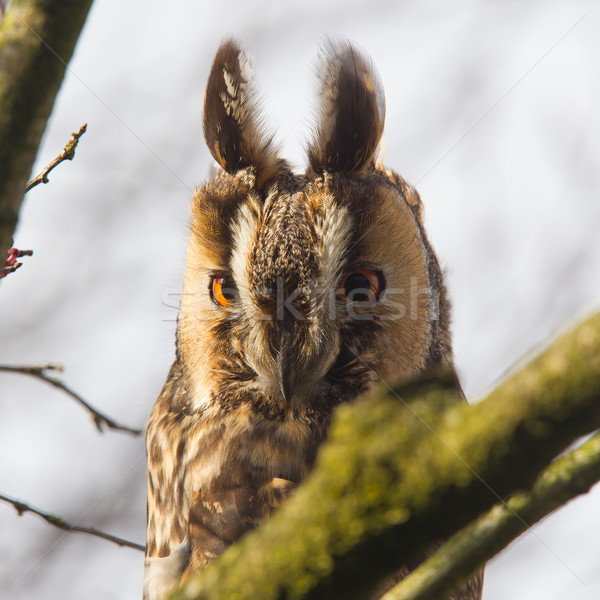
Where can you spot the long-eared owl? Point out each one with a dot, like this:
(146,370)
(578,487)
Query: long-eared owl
(300,292)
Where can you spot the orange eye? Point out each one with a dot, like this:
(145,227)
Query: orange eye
(222,290)
(362,286)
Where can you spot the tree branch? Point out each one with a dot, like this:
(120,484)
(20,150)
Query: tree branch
(388,482)
(37,38)
(99,418)
(568,477)
(59,522)
(68,153)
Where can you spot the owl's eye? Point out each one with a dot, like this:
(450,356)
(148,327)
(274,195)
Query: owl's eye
(222,290)
(362,286)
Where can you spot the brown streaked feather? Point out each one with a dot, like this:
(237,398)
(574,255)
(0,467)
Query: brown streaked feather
(218,519)
(352,111)
(213,207)
(233,128)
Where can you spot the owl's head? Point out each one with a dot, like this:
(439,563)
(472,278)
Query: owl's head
(304,289)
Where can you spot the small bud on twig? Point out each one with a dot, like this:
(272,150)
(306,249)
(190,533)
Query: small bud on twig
(11,264)
(68,153)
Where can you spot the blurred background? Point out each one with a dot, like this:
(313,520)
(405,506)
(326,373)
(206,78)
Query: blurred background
(492,114)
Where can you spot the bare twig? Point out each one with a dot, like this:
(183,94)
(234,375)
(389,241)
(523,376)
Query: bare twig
(59,522)
(38,371)
(37,39)
(67,154)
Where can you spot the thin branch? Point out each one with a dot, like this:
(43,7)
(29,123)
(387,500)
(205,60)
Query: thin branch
(38,371)
(571,475)
(68,153)
(59,522)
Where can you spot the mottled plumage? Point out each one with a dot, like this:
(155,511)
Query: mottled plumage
(300,292)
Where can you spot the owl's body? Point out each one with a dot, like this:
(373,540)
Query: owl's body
(300,292)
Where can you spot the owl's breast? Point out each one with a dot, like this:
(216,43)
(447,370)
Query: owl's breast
(245,448)
(206,443)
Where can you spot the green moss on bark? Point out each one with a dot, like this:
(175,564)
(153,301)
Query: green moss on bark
(571,475)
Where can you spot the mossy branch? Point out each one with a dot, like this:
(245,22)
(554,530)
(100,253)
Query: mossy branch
(571,475)
(404,469)
(37,39)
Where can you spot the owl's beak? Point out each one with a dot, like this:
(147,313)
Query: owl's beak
(286,371)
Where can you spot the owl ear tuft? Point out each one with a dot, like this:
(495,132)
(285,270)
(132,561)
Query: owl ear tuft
(351,110)
(233,127)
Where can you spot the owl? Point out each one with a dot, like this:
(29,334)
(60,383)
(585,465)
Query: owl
(301,291)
